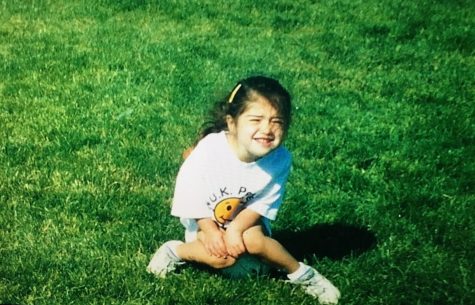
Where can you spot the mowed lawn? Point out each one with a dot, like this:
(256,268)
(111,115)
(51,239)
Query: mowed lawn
(99,98)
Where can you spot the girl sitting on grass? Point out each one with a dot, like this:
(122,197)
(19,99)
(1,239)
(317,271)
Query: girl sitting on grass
(231,186)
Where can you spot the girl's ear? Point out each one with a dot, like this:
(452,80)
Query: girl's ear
(230,123)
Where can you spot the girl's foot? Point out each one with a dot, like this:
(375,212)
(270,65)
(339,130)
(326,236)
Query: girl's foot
(315,284)
(165,260)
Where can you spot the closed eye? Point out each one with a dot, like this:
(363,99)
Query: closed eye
(255,119)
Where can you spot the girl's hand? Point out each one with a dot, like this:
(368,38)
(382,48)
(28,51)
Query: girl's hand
(214,243)
(233,236)
(212,237)
(234,242)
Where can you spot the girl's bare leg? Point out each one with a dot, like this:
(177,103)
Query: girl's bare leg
(269,249)
(196,252)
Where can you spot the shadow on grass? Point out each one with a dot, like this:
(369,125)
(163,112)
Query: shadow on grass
(334,241)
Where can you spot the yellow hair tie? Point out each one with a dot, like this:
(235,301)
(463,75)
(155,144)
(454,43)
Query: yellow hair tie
(233,94)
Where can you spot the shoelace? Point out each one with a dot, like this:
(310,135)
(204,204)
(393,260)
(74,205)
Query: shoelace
(314,286)
(312,283)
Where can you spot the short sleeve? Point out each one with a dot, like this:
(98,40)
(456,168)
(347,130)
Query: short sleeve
(268,202)
(190,188)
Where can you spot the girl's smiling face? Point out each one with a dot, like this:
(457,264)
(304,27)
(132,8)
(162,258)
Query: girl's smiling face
(257,131)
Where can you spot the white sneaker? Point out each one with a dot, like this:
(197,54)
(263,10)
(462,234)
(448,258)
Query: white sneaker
(164,261)
(318,286)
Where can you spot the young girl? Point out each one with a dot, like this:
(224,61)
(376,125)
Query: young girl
(231,185)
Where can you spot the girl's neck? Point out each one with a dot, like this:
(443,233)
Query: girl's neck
(234,147)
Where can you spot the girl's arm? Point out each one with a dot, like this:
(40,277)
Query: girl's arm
(233,237)
(212,237)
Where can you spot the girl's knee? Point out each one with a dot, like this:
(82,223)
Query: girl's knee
(254,240)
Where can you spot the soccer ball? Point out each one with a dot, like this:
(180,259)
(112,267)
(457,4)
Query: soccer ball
(246,265)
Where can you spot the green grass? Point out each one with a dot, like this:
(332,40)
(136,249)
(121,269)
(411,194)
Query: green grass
(99,98)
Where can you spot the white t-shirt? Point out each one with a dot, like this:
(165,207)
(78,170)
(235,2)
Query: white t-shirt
(214,183)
